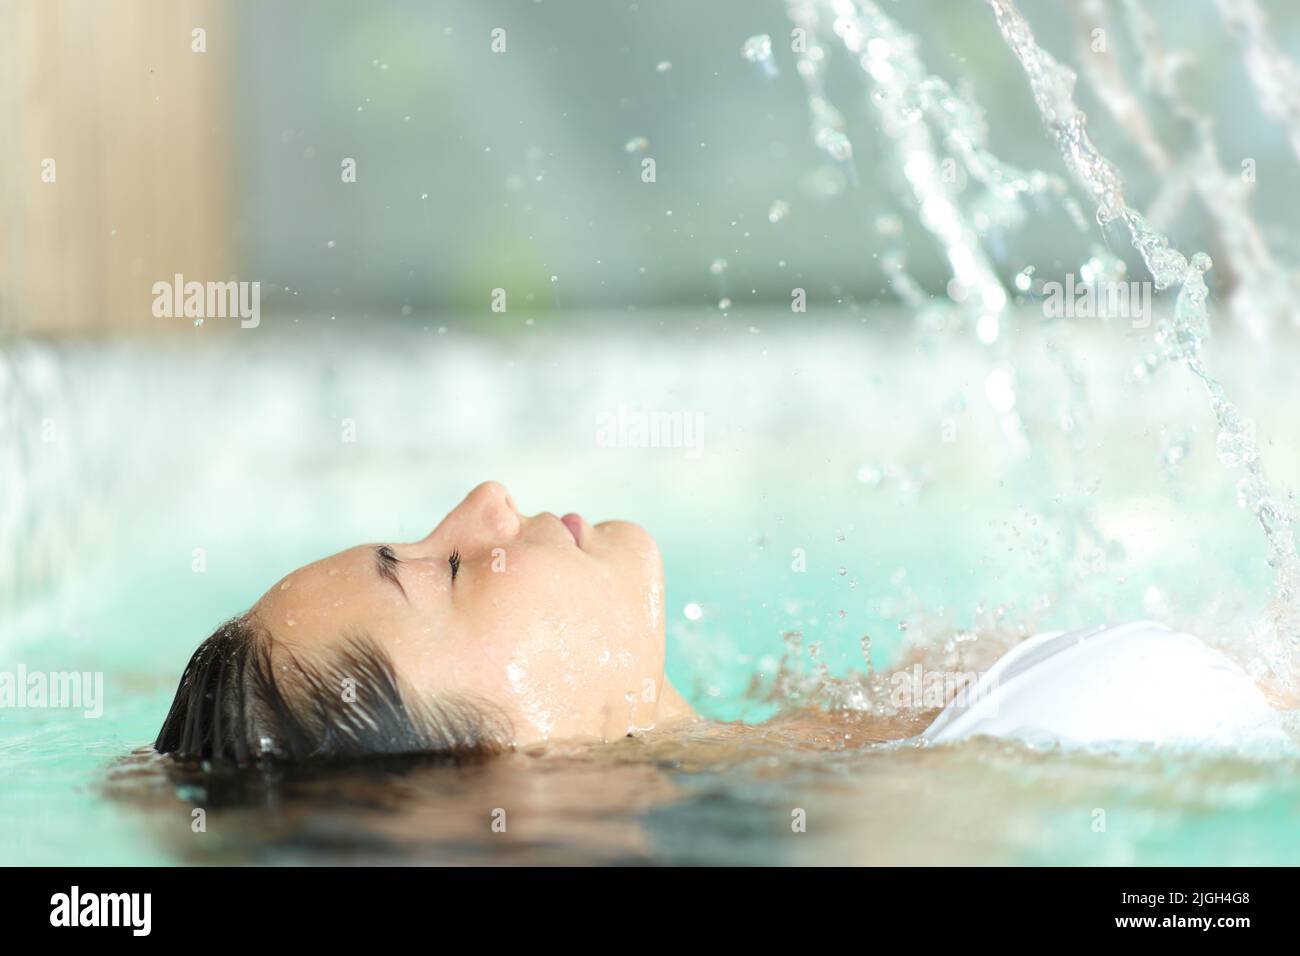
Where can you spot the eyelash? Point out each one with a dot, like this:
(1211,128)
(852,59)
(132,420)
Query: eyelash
(454,561)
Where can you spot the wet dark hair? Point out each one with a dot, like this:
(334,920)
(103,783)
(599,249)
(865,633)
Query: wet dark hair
(236,706)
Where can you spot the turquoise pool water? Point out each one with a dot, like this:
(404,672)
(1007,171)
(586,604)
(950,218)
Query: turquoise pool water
(187,475)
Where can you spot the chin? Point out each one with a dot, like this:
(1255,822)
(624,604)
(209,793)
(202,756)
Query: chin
(625,534)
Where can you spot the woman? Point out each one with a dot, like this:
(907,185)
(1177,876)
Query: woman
(499,630)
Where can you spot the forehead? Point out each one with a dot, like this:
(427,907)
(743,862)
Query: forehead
(325,597)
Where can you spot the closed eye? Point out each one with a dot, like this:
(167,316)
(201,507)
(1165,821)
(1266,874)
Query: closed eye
(386,563)
(454,561)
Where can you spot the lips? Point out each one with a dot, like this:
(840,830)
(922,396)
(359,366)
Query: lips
(574,523)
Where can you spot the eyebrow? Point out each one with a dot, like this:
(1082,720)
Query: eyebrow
(386,565)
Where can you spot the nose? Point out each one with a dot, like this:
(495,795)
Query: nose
(490,507)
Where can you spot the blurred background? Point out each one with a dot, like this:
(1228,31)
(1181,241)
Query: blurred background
(521,169)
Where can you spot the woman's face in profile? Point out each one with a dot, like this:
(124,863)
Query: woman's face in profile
(555,622)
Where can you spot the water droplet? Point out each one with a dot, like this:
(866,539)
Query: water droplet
(888,225)
(988,328)
(1236,446)
(1000,389)
(636,144)
(869,475)
(758,49)
(693,612)
(835,144)
(777,211)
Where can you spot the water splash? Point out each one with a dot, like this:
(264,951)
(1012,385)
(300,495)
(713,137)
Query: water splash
(896,73)
(936,661)
(907,96)
(919,112)
(1182,333)
(1264,289)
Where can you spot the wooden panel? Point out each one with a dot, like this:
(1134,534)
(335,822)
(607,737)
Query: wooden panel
(139,128)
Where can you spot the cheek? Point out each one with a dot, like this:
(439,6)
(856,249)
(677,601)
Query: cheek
(573,645)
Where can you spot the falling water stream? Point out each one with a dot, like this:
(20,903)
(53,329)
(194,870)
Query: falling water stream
(1182,336)
(932,129)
